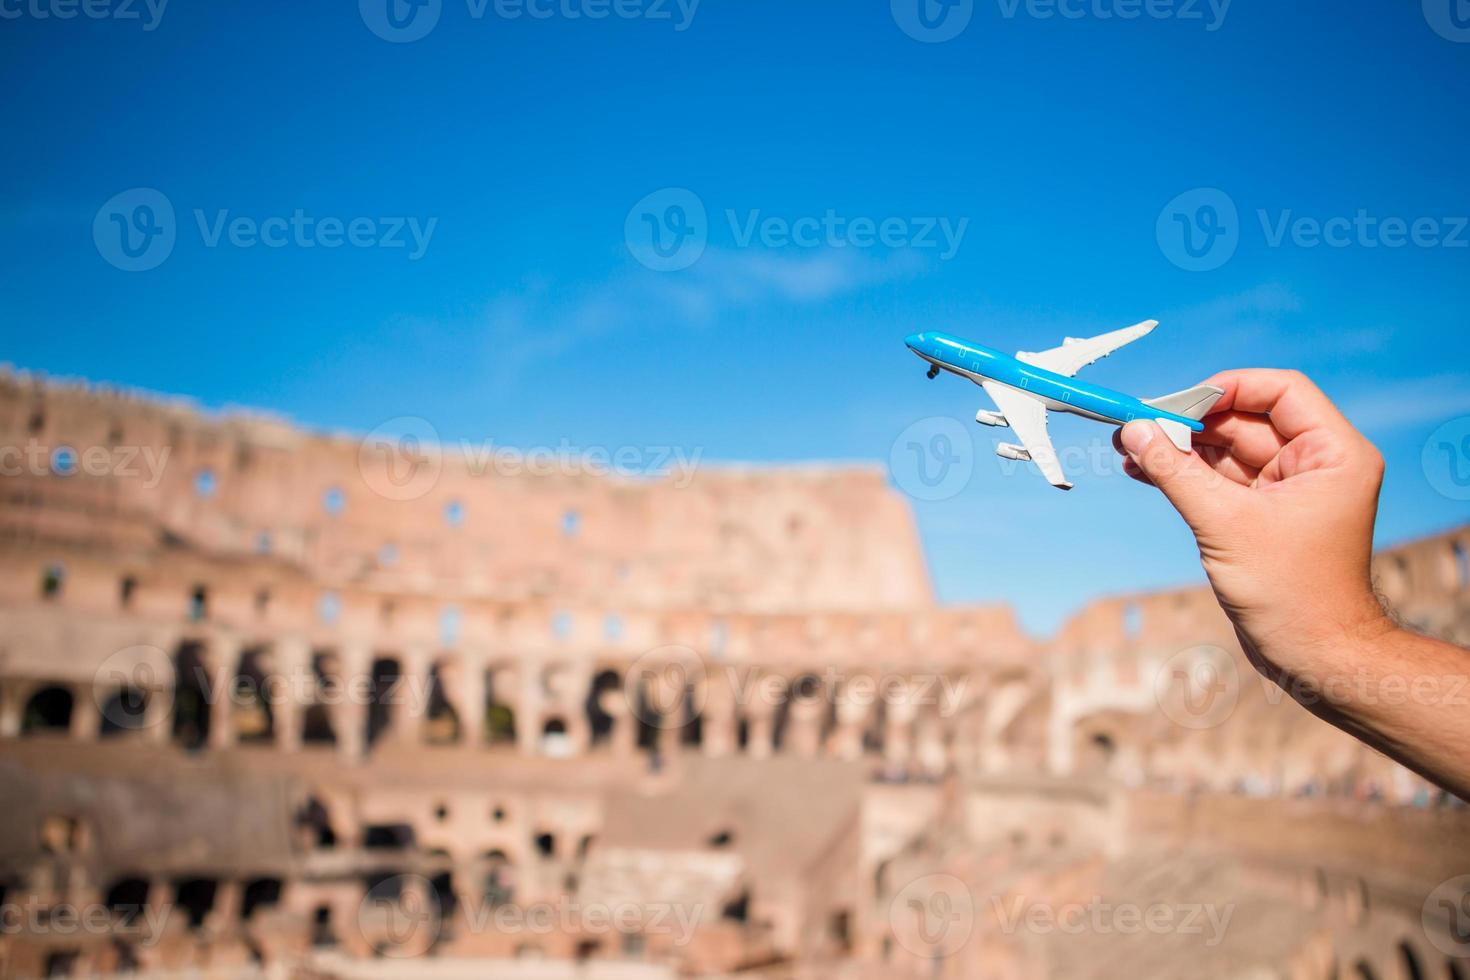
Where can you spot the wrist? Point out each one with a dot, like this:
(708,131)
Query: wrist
(1337,663)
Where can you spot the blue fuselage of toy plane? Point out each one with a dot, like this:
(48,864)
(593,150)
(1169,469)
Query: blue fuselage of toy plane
(1059,393)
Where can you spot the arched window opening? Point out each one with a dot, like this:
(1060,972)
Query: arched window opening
(253,717)
(555,742)
(260,893)
(123,712)
(446,902)
(316,821)
(1132,621)
(738,908)
(322,934)
(500,716)
(198,604)
(874,734)
(47,712)
(191,696)
(383,687)
(196,897)
(691,731)
(499,886)
(317,727)
(126,899)
(599,722)
(441,721)
(53,577)
(388,837)
(1412,970)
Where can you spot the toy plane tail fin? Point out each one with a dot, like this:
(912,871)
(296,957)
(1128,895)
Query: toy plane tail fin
(1191,403)
(1179,433)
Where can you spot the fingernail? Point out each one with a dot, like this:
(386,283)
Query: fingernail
(1137,436)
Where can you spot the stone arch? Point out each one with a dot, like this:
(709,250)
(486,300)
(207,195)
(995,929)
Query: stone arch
(259,893)
(499,879)
(192,707)
(124,711)
(555,741)
(601,723)
(318,726)
(315,822)
(195,896)
(125,899)
(253,718)
(500,712)
(384,675)
(48,711)
(442,723)
(1409,961)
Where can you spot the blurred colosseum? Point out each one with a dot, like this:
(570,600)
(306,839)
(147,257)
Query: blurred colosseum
(276,703)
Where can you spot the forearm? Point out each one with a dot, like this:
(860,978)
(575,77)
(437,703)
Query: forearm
(1406,695)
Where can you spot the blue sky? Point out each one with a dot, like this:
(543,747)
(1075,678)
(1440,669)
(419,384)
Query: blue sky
(1056,141)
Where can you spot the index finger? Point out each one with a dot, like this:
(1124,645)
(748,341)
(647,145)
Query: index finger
(1295,404)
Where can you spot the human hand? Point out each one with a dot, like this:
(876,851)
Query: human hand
(1281,493)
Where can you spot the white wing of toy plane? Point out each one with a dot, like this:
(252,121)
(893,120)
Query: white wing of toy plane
(1027,418)
(1074,354)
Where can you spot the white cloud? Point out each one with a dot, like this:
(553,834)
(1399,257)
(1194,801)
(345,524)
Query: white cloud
(520,329)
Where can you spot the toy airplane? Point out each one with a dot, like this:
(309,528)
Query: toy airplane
(1025,386)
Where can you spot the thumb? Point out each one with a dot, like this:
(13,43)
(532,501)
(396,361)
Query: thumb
(1191,484)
